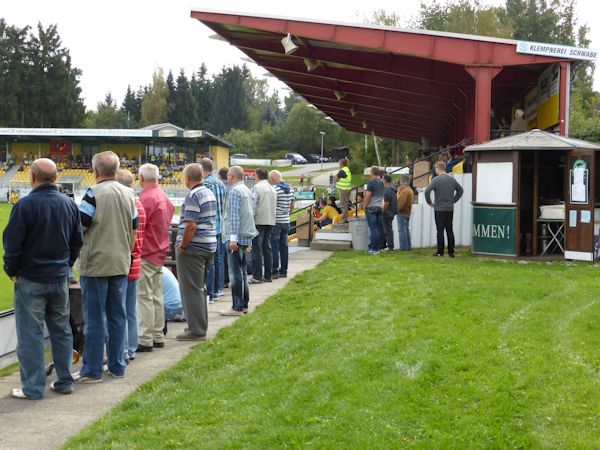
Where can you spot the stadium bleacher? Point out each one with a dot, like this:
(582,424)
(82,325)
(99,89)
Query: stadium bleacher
(170,174)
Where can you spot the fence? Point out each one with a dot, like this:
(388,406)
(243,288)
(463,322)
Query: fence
(422,224)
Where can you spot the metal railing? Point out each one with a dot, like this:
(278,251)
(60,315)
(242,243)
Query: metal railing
(356,189)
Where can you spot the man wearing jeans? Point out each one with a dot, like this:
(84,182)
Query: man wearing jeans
(238,231)
(216,279)
(281,230)
(447,192)
(125,177)
(373,203)
(41,242)
(265,202)
(405,200)
(389,211)
(110,220)
(195,248)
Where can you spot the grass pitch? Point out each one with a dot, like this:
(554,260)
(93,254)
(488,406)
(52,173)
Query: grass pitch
(6,286)
(397,350)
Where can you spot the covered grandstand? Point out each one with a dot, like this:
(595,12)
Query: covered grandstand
(166,145)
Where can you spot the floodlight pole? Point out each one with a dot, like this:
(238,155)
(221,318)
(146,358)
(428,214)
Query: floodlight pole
(322,134)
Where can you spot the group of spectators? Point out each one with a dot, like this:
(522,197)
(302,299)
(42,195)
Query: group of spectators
(383,202)
(121,244)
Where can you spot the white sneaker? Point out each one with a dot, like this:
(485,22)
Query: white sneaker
(60,392)
(83,379)
(18,393)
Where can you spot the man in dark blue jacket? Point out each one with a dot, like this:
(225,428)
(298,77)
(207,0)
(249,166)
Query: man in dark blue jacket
(41,242)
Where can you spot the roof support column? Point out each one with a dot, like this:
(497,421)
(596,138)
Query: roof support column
(563,99)
(483,76)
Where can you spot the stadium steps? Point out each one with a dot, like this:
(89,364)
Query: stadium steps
(329,245)
(9,175)
(334,237)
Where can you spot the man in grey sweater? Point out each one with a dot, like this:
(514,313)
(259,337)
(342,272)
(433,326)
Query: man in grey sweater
(447,193)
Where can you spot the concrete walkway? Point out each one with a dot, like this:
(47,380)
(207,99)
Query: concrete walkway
(48,423)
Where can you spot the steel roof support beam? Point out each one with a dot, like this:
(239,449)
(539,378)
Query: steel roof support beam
(483,76)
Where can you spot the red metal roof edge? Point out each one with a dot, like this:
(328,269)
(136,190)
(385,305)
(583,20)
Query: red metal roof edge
(363,33)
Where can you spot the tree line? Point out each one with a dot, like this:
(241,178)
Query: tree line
(39,86)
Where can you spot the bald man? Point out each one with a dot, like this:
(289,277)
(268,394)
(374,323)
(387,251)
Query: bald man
(41,242)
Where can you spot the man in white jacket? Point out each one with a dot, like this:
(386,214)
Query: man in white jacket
(265,206)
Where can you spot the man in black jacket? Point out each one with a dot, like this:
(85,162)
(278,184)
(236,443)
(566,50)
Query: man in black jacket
(41,242)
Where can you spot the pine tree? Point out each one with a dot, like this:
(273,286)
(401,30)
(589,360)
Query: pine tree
(201,88)
(170,97)
(185,110)
(131,108)
(229,100)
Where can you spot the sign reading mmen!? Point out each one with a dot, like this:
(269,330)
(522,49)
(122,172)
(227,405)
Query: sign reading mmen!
(495,230)
(558,51)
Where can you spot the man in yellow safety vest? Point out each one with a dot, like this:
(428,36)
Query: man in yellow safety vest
(344,185)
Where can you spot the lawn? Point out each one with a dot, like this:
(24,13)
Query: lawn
(6,286)
(397,350)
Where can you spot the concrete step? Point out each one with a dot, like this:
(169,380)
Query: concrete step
(331,235)
(341,227)
(320,244)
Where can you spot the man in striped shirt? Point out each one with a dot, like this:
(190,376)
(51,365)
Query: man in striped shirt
(109,221)
(215,281)
(195,248)
(279,236)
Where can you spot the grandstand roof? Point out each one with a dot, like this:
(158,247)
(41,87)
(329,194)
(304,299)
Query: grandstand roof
(162,134)
(398,83)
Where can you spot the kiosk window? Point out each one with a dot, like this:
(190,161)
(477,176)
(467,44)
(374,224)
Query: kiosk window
(495,183)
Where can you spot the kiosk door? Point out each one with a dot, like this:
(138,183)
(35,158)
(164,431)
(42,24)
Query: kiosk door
(579,205)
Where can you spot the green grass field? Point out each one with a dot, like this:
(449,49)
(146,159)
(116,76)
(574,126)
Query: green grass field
(6,286)
(398,350)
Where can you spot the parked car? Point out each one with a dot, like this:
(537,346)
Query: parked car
(239,156)
(314,158)
(296,158)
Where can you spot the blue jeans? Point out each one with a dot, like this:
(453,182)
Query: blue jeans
(131,329)
(238,277)
(279,247)
(174,314)
(103,300)
(34,304)
(404,232)
(216,274)
(261,252)
(373,215)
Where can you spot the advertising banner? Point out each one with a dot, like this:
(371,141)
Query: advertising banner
(495,230)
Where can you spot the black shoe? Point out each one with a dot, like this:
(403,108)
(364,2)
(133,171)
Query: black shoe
(438,254)
(158,345)
(275,276)
(144,348)
(451,256)
(268,280)
(283,275)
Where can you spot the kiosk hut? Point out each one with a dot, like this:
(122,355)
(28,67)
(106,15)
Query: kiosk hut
(534,193)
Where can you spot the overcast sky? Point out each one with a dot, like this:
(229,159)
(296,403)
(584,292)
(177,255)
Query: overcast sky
(116,43)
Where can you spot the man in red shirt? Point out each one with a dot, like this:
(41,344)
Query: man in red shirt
(159,212)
